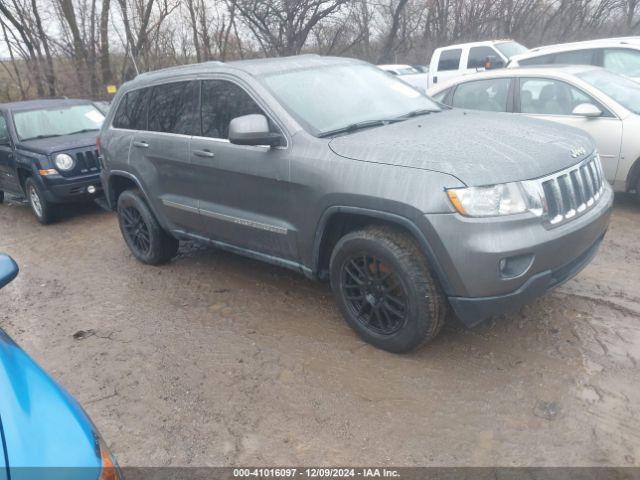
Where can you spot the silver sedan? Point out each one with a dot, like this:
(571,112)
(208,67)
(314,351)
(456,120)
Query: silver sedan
(602,103)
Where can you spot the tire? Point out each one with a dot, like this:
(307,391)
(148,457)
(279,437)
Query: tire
(144,236)
(396,269)
(44,210)
(1,196)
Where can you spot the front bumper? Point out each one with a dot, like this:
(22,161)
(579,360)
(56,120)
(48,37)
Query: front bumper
(472,251)
(59,189)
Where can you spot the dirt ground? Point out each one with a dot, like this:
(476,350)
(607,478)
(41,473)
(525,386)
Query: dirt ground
(219,360)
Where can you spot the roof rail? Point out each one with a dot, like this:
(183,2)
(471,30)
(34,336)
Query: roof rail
(179,67)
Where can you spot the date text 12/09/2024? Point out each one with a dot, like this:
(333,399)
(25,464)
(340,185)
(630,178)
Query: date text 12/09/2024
(315,473)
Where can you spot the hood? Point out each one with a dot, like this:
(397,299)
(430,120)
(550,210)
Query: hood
(47,146)
(43,425)
(478,148)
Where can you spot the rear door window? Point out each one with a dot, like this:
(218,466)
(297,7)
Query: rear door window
(173,108)
(132,110)
(222,101)
(490,95)
(449,59)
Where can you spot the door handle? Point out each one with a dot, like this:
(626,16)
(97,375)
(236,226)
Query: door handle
(141,144)
(204,153)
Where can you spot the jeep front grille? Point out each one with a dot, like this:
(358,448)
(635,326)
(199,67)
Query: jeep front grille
(574,191)
(87,161)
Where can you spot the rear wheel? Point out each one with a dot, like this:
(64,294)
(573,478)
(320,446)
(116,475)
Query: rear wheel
(44,210)
(1,196)
(144,236)
(385,290)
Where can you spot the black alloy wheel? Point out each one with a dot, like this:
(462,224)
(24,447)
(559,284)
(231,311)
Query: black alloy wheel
(136,230)
(142,233)
(374,295)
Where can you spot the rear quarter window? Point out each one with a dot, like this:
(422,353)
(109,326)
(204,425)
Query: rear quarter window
(132,110)
(442,96)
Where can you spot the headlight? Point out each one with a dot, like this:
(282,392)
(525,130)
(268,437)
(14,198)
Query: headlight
(497,200)
(64,162)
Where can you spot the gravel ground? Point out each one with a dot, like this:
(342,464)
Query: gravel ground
(219,360)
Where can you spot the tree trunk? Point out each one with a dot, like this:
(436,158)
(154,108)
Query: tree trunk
(194,29)
(28,43)
(105,60)
(386,56)
(49,72)
(79,50)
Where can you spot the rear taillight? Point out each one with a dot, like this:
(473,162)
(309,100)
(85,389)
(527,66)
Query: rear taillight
(98,144)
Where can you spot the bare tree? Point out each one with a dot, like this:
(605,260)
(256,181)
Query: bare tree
(282,27)
(386,55)
(44,38)
(105,60)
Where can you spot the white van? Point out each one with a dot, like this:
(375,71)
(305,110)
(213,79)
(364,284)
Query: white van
(455,60)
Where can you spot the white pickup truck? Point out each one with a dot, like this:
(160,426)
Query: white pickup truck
(457,60)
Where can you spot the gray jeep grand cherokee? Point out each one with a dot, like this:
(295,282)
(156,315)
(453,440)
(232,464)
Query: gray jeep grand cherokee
(331,167)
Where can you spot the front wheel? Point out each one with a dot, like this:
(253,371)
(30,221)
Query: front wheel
(385,290)
(44,210)
(144,236)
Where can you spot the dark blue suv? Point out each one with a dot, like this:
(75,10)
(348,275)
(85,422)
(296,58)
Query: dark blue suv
(48,153)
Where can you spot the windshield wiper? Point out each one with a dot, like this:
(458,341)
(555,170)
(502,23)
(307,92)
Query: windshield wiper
(417,113)
(41,137)
(84,130)
(360,125)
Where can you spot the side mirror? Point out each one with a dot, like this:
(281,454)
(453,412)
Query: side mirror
(253,130)
(588,110)
(8,270)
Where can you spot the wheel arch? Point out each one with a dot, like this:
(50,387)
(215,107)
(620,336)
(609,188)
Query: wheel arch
(337,221)
(119,181)
(633,176)
(23,174)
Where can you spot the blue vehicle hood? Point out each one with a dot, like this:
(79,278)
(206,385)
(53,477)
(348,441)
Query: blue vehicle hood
(48,146)
(42,425)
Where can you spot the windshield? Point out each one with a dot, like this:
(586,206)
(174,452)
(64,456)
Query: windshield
(509,49)
(55,122)
(624,91)
(333,97)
